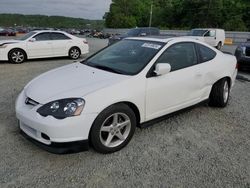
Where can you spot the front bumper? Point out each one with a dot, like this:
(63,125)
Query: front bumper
(3,54)
(50,131)
(60,148)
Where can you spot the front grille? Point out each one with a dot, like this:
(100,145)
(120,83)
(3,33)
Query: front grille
(248,51)
(31,102)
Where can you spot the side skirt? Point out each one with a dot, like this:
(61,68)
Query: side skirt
(157,120)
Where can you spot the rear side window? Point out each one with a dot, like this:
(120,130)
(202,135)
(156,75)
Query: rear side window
(206,54)
(59,36)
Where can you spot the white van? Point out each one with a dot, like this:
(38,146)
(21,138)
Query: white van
(213,37)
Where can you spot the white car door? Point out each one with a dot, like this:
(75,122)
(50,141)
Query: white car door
(40,46)
(210,37)
(61,44)
(177,89)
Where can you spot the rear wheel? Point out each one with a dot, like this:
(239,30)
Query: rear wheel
(220,93)
(74,53)
(113,129)
(219,45)
(17,56)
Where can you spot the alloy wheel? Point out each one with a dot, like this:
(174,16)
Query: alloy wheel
(115,130)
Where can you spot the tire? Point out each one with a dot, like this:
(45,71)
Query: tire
(219,45)
(220,93)
(74,53)
(113,128)
(17,56)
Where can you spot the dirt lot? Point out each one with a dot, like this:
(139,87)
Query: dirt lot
(202,147)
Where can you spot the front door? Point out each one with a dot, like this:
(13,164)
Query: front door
(178,89)
(40,46)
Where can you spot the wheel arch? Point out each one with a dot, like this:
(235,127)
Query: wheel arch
(131,105)
(75,47)
(228,78)
(25,53)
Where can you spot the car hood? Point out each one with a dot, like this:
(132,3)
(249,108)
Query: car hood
(74,80)
(2,42)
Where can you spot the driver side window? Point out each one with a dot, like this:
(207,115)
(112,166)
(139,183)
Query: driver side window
(179,56)
(42,37)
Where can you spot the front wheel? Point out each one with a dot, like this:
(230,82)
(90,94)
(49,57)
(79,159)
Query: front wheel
(220,93)
(17,56)
(74,53)
(113,128)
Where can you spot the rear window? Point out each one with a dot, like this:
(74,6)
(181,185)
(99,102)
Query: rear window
(206,54)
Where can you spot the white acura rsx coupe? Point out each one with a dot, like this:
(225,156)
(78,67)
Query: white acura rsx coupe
(42,44)
(102,99)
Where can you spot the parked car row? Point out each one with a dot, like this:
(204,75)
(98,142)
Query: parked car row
(7,32)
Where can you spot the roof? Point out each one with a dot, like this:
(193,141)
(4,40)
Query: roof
(52,31)
(165,40)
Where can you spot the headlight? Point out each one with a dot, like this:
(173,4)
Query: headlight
(63,108)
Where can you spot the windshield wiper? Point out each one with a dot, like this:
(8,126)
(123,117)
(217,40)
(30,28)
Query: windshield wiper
(102,67)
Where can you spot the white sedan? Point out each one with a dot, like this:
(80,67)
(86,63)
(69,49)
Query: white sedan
(102,99)
(42,44)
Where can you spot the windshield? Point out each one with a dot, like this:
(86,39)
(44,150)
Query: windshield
(127,57)
(198,32)
(133,32)
(27,35)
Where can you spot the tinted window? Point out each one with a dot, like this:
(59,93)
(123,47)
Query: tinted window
(59,36)
(179,56)
(126,57)
(206,54)
(27,35)
(42,37)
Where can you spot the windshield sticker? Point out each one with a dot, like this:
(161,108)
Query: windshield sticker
(151,45)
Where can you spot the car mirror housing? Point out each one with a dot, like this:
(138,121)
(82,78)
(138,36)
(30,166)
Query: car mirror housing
(162,68)
(32,40)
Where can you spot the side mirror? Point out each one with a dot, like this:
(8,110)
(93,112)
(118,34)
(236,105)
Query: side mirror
(32,40)
(162,68)
(143,34)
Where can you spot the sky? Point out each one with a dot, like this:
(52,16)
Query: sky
(89,9)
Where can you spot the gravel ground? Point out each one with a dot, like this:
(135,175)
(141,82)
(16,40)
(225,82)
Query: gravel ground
(202,147)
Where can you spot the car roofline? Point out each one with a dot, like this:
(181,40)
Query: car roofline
(164,40)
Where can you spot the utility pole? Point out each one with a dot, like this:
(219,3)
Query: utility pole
(151,14)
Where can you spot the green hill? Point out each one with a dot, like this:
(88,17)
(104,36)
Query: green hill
(11,20)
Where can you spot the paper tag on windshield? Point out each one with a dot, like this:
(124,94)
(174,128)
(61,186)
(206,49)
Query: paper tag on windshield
(151,45)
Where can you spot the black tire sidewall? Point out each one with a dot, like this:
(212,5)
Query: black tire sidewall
(73,48)
(16,50)
(217,94)
(219,46)
(95,130)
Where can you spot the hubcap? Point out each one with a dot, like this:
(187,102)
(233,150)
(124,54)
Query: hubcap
(17,57)
(226,92)
(115,130)
(74,53)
